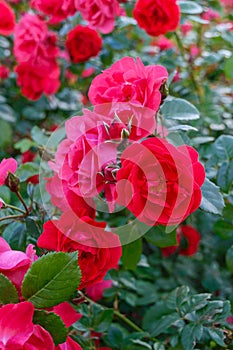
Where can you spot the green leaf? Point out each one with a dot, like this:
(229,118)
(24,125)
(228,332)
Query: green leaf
(190,7)
(8,292)
(25,171)
(5,133)
(53,324)
(158,346)
(7,113)
(39,136)
(15,235)
(160,326)
(229,259)
(33,229)
(52,279)
(190,334)
(103,320)
(223,147)
(132,254)
(115,336)
(160,238)
(225,176)
(212,199)
(182,128)
(23,145)
(179,109)
(228,68)
(33,113)
(224,229)
(218,336)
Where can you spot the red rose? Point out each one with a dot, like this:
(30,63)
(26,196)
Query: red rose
(89,238)
(28,157)
(188,242)
(7,19)
(160,183)
(157,16)
(83,43)
(34,82)
(4,72)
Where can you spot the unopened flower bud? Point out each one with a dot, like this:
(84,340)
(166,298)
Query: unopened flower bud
(124,134)
(164,92)
(13,182)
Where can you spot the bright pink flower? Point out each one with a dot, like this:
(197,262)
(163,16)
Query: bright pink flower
(14,264)
(70,344)
(230,319)
(158,182)
(194,51)
(157,17)
(100,14)
(58,10)
(98,250)
(67,313)
(163,43)
(1,204)
(34,82)
(15,325)
(88,72)
(210,15)
(71,77)
(129,80)
(227,3)
(6,166)
(85,163)
(188,240)
(96,291)
(34,43)
(4,72)
(186,27)
(39,340)
(7,19)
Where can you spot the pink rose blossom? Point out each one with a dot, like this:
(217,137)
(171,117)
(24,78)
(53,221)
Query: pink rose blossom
(14,264)
(227,3)
(35,43)
(58,10)
(88,72)
(163,43)
(210,15)
(186,27)
(70,344)
(84,163)
(67,313)
(96,291)
(18,332)
(6,166)
(129,80)
(100,14)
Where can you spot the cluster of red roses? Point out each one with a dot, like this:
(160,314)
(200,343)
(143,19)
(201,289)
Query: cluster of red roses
(36,48)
